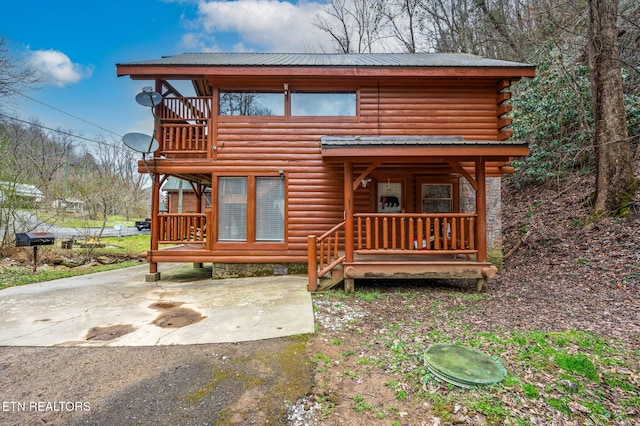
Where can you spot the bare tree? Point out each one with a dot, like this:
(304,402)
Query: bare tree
(615,180)
(105,179)
(355,25)
(12,80)
(406,22)
(336,16)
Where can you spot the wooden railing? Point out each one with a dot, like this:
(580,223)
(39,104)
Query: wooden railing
(324,253)
(183,138)
(182,228)
(395,233)
(184,126)
(185,108)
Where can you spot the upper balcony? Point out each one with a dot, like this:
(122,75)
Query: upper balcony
(184,126)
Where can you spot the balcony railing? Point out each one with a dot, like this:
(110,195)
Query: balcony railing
(184,126)
(182,228)
(415,233)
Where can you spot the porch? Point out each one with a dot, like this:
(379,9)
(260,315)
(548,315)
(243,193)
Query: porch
(401,245)
(437,242)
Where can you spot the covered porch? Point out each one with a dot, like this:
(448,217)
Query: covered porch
(408,244)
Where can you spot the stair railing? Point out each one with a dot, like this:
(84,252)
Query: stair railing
(324,254)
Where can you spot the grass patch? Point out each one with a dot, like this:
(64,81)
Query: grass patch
(369,296)
(83,223)
(573,366)
(15,276)
(360,405)
(578,364)
(127,248)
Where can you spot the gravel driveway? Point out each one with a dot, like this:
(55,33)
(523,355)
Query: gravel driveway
(241,383)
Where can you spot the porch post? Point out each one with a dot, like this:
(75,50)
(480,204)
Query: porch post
(153,274)
(481,210)
(348,225)
(199,192)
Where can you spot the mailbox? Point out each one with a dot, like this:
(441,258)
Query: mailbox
(32,239)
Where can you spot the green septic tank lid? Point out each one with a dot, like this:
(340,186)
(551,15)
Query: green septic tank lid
(463,366)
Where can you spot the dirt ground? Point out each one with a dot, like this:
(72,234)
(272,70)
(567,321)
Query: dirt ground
(245,383)
(363,365)
(562,279)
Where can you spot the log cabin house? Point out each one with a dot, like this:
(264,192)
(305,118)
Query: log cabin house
(353,165)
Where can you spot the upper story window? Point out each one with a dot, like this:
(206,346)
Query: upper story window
(251,103)
(327,104)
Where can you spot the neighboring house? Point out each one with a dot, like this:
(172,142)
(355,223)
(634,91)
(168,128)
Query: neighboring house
(181,197)
(69,205)
(357,165)
(24,194)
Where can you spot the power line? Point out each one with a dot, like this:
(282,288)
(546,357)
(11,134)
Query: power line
(69,114)
(62,132)
(52,77)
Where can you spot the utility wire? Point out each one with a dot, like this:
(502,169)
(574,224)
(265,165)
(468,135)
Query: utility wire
(50,106)
(62,132)
(69,114)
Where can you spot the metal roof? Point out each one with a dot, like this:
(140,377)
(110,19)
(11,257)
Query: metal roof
(328,60)
(398,141)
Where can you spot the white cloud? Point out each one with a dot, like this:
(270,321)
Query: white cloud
(57,68)
(264,25)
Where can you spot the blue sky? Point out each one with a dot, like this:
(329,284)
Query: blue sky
(74,46)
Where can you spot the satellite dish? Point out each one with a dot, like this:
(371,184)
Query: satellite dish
(149,98)
(140,142)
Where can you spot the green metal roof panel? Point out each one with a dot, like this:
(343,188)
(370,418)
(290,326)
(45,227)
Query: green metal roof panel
(329,60)
(382,141)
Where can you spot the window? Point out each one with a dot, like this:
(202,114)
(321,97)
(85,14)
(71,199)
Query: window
(251,209)
(332,104)
(232,209)
(269,209)
(437,198)
(251,103)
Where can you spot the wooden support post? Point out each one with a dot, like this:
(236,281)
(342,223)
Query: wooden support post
(481,285)
(348,211)
(153,274)
(348,225)
(349,285)
(312,263)
(481,211)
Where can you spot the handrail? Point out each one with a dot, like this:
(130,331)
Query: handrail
(323,254)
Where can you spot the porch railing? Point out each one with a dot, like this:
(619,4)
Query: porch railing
(184,126)
(182,228)
(419,233)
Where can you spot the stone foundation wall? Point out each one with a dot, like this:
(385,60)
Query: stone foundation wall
(241,270)
(494,213)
